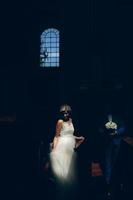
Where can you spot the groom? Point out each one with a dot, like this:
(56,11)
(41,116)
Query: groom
(114,130)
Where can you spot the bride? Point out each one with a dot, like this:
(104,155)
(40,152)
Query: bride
(62,155)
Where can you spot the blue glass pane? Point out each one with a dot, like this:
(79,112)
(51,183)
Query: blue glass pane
(48,44)
(57,50)
(57,40)
(43,49)
(48,35)
(53,39)
(57,59)
(57,54)
(48,40)
(57,44)
(48,50)
(53,34)
(53,59)
(47,64)
(53,49)
(53,44)
(50,54)
(54,54)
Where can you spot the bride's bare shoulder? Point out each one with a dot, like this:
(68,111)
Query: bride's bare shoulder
(60,121)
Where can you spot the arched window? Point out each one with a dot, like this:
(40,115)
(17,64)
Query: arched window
(49,48)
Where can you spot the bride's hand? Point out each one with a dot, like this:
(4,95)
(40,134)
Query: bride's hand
(79,140)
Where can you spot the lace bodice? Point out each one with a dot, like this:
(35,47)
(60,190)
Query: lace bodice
(67,129)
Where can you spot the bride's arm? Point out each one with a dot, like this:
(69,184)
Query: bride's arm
(57,134)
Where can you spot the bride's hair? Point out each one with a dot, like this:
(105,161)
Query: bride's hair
(66,108)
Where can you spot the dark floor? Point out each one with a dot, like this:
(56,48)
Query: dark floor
(93,189)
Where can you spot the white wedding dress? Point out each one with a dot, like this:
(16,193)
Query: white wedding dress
(63,156)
